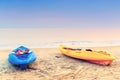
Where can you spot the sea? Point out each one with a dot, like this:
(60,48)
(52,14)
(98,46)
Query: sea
(10,38)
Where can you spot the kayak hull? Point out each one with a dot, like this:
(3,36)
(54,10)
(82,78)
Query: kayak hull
(22,60)
(98,57)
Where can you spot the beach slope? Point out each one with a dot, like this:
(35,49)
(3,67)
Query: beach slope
(52,65)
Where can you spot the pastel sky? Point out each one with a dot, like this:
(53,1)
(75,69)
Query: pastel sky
(60,13)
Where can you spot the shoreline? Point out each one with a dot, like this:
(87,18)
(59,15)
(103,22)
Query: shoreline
(67,43)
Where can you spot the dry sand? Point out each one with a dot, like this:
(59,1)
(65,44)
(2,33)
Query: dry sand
(51,65)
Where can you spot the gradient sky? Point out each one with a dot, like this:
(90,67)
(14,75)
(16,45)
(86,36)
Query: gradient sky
(60,13)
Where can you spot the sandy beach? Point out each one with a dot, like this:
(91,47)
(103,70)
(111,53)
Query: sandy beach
(52,65)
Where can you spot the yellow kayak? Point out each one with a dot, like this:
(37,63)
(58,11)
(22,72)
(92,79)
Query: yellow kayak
(99,57)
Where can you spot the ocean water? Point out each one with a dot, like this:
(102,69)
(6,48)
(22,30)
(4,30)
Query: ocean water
(53,37)
(69,43)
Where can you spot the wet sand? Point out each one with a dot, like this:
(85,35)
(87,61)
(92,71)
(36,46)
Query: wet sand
(52,65)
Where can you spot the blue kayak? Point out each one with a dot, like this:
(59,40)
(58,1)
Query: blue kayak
(23,59)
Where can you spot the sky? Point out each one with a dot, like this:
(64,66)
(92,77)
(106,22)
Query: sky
(60,13)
